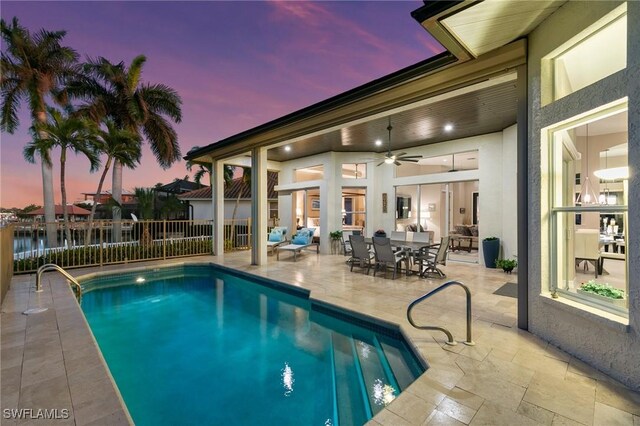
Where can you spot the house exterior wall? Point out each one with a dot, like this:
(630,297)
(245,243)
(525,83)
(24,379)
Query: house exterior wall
(203,209)
(496,179)
(602,341)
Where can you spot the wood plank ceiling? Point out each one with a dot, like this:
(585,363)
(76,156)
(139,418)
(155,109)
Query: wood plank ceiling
(486,110)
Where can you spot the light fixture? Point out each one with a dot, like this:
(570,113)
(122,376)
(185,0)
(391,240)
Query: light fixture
(378,142)
(140,280)
(613,173)
(287,148)
(448,127)
(587,195)
(390,160)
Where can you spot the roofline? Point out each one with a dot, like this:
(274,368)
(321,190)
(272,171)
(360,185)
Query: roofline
(432,8)
(357,93)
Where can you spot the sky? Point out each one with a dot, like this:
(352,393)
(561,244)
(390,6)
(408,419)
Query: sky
(235,65)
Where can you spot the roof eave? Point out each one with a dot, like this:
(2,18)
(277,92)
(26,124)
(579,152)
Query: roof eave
(360,92)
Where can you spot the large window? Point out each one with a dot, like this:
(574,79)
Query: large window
(306,174)
(354,208)
(441,164)
(588,190)
(354,170)
(598,52)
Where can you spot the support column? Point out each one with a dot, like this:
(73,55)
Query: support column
(523,199)
(259,206)
(217,206)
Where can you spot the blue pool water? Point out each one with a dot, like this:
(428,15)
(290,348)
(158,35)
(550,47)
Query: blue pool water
(198,345)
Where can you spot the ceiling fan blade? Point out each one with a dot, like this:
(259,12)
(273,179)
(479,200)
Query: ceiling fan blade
(400,154)
(380,163)
(409,160)
(411,156)
(397,163)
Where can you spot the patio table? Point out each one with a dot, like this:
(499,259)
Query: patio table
(408,246)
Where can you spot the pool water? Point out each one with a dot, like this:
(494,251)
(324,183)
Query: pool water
(198,345)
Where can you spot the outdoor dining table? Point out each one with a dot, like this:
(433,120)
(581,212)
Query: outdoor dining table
(408,246)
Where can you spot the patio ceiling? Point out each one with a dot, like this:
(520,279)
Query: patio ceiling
(486,110)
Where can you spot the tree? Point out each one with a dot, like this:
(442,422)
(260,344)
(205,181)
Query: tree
(145,198)
(33,66)
(118,145)
(205,169)
(117,92)
(69,134)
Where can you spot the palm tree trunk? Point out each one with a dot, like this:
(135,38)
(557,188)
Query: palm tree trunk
(63,193)
(233,219)
(47,189)
(116,193)
(87,237)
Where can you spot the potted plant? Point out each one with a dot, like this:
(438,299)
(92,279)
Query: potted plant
(603,292)
(490,251)
(336,239)
(507,265)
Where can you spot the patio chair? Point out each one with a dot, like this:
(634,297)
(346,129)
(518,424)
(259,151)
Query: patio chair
(385,256)
(429,257)
(423,237)
(277,237)
(398,236)
(361,256)
(346,243)
(301,241)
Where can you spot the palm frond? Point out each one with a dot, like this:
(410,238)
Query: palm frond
(162,139)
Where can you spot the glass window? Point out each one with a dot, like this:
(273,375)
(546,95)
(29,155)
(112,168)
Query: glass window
(440,164)
(309,173)
(354,171)
(588,188)
(598,53)
(354,208)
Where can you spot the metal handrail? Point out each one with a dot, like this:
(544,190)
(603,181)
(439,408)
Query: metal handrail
(51,267)
(451,342)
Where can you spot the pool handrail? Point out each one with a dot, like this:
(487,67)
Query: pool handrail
(54,267)
(450,340)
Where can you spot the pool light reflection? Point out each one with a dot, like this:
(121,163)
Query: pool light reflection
(383,394)
(140,280)
(287,379)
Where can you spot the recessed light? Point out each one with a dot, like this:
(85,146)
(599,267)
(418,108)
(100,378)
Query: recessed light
(378,142)
(287,148)
(448,127)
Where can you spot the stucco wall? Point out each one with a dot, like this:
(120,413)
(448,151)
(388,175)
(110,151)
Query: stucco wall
(598,339)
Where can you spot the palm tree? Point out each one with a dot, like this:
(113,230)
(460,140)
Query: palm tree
(69,134)
(33,66)
(205,169)
(117,92)
(119,145)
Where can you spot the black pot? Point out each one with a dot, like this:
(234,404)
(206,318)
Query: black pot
(490,251)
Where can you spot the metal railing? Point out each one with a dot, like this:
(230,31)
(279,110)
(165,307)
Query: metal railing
(450,341)
(52,267)
(237,234)
(106,242)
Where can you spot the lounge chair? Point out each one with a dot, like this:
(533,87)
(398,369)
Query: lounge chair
(361,255)
(386,257)
(429,257)
(302,240)
(277,237)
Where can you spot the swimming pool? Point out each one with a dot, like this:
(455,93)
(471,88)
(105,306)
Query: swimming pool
(204,345)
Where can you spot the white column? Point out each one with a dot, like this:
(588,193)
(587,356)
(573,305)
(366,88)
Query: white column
(259,206)
(217,200)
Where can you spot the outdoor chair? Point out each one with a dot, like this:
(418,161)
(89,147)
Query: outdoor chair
(277,237)
(346,242)
(302,240)
(361,255)
(385,257)
(429,257)
(423,237)
(398,236)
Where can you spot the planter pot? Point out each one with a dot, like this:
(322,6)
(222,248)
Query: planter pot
(490,251)
(380,234)
(603,299)
(507,270)
(335,246)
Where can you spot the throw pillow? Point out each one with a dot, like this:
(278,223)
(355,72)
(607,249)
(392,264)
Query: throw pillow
(275,236)
(301,238)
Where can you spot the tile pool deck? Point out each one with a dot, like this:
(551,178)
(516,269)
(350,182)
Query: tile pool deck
(49,360)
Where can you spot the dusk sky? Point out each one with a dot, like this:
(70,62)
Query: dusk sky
(236,65)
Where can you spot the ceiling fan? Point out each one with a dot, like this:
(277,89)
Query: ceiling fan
(391,158)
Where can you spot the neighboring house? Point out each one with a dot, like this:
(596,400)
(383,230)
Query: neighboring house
(200,206)
(544,98)
(75,213)
(104,197)
(178,186)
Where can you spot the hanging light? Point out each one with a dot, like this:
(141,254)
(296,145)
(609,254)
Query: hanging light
(587,195)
